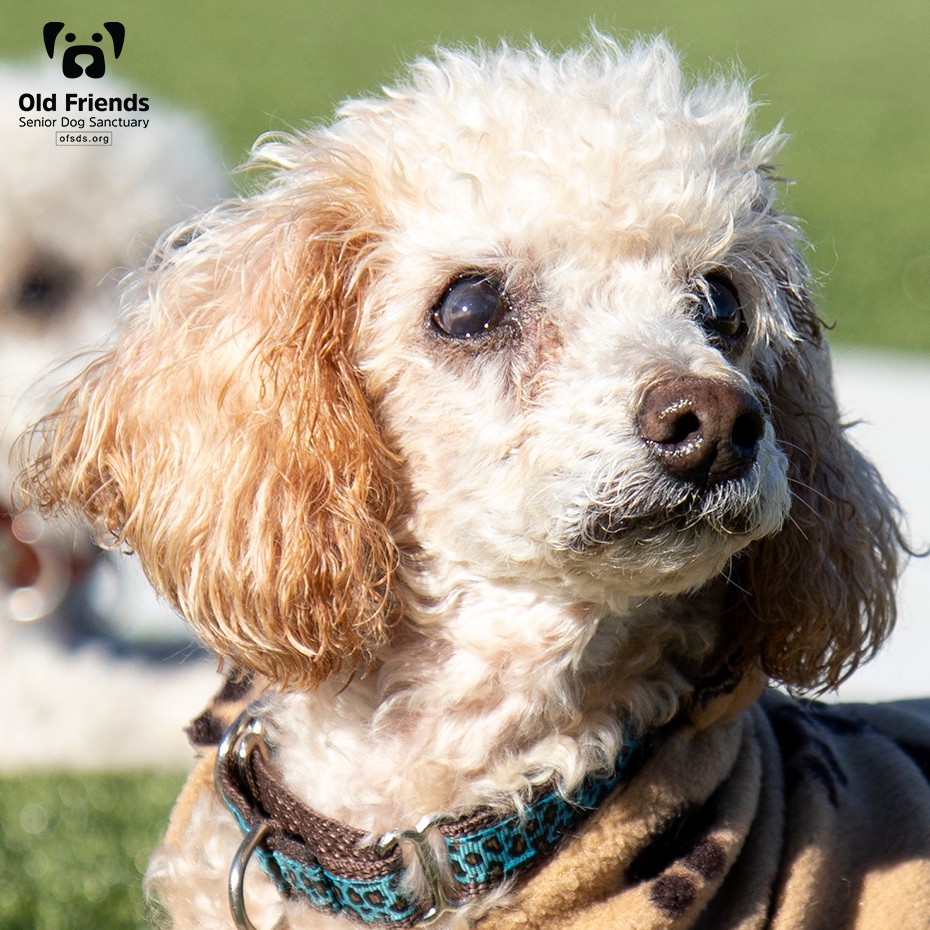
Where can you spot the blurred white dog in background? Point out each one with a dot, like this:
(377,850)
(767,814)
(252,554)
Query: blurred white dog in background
(73,220)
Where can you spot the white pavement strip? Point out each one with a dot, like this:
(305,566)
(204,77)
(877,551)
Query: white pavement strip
(87,710)
(889,396)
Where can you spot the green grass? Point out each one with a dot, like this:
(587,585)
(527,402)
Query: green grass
(74,848)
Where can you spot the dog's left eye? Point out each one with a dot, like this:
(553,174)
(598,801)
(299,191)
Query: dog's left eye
(470,307)
(720,310)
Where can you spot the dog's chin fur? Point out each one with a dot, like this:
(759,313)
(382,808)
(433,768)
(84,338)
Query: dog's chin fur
(456,559)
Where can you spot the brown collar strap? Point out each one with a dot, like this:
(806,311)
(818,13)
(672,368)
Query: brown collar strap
(337,870)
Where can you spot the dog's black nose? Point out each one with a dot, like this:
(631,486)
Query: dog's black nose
(702,431)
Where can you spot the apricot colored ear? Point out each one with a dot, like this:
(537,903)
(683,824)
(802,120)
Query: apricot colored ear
(228,441)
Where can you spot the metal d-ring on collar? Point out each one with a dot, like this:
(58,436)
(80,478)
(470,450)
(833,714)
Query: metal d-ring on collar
(236,885)
(245,734)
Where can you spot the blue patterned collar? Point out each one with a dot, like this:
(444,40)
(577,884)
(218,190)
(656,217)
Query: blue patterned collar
(329,864)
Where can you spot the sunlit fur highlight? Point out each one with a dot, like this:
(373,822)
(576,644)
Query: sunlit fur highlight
(390,527)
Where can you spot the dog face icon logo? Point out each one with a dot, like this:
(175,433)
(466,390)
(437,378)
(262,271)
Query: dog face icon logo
(71,65)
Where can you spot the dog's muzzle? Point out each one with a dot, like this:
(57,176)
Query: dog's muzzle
(705,435)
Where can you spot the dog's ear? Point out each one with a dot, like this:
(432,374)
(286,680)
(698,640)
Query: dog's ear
(228,441)
(118,35)
(50,34)
(819,594)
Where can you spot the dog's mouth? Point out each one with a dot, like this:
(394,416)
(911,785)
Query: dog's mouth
(737,510)
(604,527)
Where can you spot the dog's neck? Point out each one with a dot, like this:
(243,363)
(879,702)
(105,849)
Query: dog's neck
(475,704)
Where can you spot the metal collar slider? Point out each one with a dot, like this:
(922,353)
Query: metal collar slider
(419,840)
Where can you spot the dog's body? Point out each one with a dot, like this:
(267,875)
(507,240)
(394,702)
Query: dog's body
(503,449)
(744,815)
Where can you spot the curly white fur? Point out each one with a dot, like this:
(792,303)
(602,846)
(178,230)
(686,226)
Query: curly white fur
(536,585)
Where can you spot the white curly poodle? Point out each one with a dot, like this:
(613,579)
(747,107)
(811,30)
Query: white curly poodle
(493,444)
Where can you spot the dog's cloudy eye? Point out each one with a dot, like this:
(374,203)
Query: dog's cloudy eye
(469,307)
(720,310)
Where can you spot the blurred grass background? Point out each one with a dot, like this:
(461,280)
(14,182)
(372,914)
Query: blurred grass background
(850,79)
(75,846)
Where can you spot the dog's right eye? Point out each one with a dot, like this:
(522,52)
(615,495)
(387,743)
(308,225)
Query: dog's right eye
(470,307)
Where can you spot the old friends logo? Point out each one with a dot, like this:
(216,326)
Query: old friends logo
(74,61)
(54,108)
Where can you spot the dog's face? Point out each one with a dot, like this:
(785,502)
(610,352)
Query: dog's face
(577,295)
(530,322)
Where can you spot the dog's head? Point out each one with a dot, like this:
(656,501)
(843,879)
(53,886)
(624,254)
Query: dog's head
(530,320)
